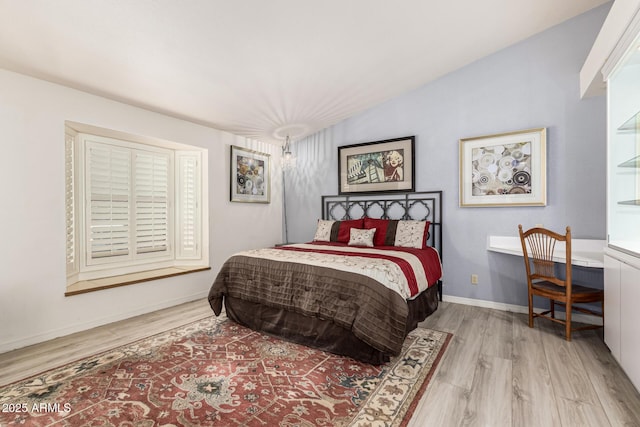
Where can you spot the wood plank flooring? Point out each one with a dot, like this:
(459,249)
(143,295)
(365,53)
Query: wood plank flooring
(27,361)
(497,371)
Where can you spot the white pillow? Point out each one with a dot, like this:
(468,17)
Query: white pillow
(360,237)
(323,231)
(410,234)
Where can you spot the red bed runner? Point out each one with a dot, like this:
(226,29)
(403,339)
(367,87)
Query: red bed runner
(428,257)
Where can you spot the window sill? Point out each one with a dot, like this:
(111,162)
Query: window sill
(85,286)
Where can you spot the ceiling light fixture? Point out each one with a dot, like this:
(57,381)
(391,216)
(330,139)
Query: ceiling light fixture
(288,159)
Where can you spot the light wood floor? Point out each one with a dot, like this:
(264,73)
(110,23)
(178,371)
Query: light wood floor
(496,372)
(499,372)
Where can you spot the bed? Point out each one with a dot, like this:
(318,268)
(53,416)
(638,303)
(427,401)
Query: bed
(352,290)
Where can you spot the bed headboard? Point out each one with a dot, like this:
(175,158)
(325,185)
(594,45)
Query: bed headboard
(421,206)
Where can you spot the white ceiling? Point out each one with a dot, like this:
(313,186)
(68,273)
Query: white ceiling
(262,68)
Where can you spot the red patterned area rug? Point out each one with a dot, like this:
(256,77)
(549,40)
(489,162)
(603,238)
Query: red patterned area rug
(216,372)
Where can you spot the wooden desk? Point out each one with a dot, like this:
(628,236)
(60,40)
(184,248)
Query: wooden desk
(584,252)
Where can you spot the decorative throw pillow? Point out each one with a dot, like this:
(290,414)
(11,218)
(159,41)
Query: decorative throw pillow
(323,231)
(387,232)
(362,237)
(411,234)
(335,231)
(343,234)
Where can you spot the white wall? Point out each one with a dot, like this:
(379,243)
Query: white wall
(33,307)
(532,84)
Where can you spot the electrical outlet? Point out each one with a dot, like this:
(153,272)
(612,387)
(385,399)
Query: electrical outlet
(540,225)
(474,279)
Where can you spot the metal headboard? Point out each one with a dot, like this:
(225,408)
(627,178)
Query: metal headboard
(421,206)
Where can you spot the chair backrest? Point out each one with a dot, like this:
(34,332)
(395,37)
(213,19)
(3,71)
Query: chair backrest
(538,247)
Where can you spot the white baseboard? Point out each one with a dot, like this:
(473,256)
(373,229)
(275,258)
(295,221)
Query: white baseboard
(578,317)
(77,327)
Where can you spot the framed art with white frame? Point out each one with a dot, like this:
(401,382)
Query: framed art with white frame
(507,169)
(250,176)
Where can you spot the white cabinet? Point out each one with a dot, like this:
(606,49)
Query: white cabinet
(623,153)
(630,322)
(622,254)
(622,317)
(612,305)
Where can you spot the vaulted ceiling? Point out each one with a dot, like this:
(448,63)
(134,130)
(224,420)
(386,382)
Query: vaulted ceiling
(262,68)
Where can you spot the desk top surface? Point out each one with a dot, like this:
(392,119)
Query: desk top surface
(584,252)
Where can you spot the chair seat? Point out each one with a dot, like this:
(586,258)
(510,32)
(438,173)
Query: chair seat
(580,293)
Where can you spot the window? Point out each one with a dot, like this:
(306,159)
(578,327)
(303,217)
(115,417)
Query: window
(131,205)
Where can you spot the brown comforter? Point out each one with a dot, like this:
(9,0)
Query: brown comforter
(373,313)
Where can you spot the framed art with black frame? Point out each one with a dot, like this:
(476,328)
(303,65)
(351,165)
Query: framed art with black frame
(376,167)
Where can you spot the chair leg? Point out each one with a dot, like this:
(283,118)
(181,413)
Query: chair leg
(552,308)
(530,310)
(567,326)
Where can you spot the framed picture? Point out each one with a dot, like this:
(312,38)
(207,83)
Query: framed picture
(507,169)
(378,166)
(250,176)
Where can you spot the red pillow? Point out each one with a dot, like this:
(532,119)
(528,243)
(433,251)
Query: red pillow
(386,231)
(426,235)
(382,228)
(344,229)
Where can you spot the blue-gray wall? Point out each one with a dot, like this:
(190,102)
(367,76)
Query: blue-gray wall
(529,85)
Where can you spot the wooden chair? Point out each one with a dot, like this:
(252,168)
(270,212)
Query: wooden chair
(538,246)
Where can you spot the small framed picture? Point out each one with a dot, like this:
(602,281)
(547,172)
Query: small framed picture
(507,169)
(250,176)
(379,166)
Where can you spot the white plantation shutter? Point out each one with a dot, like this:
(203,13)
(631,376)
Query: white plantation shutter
(188,234)
(108,207)
(70,218)
(151,202)
(132,206)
